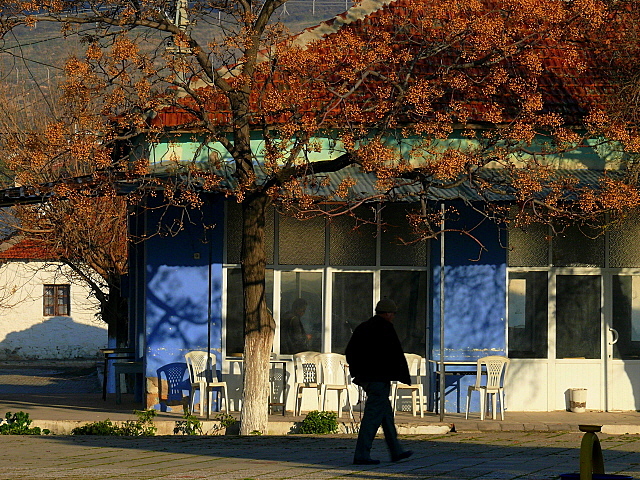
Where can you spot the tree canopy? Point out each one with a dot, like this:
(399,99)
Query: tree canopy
(85,228)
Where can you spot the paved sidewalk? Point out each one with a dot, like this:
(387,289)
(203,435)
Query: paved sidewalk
(60,395)
(473,456)
(61,412)
(527,445)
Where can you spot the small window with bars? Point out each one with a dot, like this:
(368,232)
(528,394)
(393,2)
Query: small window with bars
(56,300)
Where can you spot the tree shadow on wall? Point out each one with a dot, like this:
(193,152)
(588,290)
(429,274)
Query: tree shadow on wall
(178,314)
(56,338)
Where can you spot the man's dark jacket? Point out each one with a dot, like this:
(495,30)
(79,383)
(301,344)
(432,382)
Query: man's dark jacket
(374,353)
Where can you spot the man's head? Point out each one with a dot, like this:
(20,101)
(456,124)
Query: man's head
(386,309)
(299,306)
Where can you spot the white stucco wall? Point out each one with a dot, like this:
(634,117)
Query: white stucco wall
(26,334)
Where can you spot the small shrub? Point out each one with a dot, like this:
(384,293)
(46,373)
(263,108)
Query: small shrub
(191,425)
(142,427)
(319,423)
(225,420)
(103,427)
(19,424)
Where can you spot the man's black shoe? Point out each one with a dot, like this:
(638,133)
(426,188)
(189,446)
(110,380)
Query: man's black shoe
(365,461)
(402,456)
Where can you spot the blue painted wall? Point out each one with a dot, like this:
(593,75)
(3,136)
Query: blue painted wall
(475,298)
(179,272)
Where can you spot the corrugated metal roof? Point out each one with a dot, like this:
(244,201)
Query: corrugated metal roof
(25,195)
(368,186)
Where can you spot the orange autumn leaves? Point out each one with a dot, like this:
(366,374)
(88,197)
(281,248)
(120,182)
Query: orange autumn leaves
(500,74)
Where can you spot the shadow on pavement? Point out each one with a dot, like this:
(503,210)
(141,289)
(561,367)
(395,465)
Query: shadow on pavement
(49,380)
(481,455)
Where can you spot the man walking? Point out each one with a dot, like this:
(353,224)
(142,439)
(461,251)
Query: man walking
(375,358)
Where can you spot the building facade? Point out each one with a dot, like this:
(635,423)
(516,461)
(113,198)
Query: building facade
(44,314)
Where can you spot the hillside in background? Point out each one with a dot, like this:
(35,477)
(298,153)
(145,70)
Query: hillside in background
(33,57)
(32,60)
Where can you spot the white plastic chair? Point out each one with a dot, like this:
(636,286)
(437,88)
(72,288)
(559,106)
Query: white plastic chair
(414,362)
(203,378)
(334,376)
(496,370)
(306,373)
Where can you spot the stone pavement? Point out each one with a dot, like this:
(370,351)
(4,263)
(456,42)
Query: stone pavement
(527,445)
(472,456)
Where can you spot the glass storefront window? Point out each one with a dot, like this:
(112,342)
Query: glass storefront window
(624,248)
(235,315)
(395,232)
(317,247)
(234,233)
(529,247)
(590,254)
(352,304)
(301,242)
(352,241)
(578,316)
(626,316)
(409,290)
(528,316)
(301,312)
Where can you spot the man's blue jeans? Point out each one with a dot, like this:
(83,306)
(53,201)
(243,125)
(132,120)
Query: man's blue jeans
(377,412)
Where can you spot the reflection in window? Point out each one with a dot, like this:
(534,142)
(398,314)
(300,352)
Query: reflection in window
(528,317)
(301,312)
(235,314)
(626,316)
(332,244)
(409,290)
(352,304)
(517,303)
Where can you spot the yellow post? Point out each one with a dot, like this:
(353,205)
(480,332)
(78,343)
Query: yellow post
(591,460)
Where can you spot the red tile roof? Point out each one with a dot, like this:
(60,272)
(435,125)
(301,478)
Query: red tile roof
(566,89)
(25,249)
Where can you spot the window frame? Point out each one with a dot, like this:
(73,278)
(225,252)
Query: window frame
(51,300)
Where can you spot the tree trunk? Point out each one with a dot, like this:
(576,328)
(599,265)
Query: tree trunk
(259,326)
